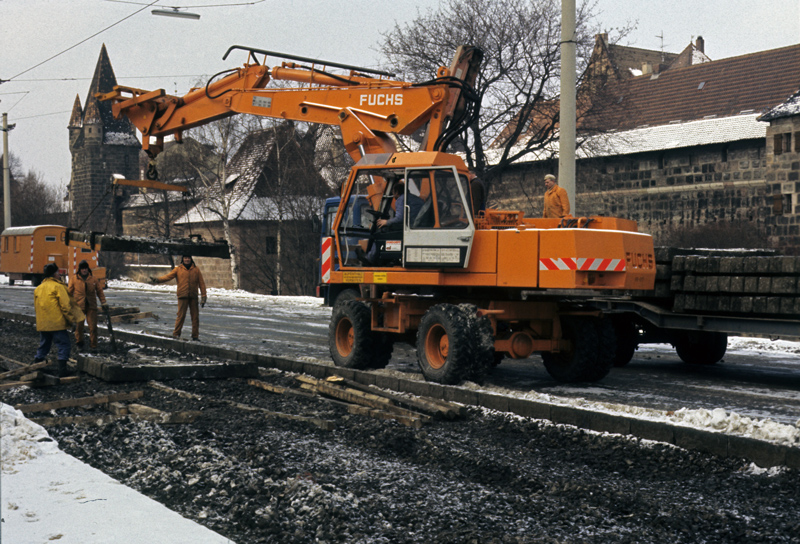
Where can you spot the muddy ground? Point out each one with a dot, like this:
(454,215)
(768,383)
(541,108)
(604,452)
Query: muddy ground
(487,478)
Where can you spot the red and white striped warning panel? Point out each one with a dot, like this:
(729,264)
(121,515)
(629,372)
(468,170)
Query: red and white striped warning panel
(325,267)
(30,267)
(592,265)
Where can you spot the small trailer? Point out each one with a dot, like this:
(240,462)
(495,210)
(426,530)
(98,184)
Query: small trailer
(25,251)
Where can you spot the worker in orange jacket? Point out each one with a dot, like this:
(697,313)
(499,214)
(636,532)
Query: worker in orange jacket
(556,200)
(86,290)
(190,279)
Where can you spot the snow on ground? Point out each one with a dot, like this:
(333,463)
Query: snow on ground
(50,496)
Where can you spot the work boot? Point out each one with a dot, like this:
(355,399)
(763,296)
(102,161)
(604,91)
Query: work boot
(80,345)
(195,339)
(62,368)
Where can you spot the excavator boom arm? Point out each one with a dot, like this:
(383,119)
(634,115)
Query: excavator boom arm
(366,107)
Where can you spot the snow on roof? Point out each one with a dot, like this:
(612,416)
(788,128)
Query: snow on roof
(256,209)
(120,138)
(787,109)
(657,138)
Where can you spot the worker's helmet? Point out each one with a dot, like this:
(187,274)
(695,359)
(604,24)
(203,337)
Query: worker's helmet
(50,269)
(83,264)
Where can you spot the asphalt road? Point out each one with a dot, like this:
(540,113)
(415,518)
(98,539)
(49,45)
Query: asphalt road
(760,385)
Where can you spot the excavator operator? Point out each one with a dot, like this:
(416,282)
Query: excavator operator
(388,228)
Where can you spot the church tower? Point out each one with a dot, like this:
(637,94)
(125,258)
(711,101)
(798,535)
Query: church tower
(101,146)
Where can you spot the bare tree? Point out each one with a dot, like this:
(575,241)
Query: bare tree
(519,79)
(33,201)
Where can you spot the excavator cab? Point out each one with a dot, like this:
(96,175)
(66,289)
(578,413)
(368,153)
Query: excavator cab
(436,229)
(441,234)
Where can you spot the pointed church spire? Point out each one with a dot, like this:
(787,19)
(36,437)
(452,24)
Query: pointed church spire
(77,114)
(104,81)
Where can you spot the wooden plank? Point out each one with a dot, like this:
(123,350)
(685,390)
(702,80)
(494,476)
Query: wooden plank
(268,387)
(408,421)
(142,410)
(12,385)
(422,404)
(119,310)
(323,424)
(366,399)
(130,318)
(64,403)
(180,392)
(23,370)
(118,408)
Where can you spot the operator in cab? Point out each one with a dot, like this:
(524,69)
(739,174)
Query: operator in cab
(394,224)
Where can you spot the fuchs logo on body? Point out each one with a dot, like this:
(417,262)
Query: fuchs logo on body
(381,99)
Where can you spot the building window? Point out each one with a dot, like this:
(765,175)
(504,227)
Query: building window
(782,143)
(797,142)
(781,204)
(272,245)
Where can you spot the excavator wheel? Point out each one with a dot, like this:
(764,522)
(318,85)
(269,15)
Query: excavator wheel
(701,347)
(482,337)
(627,341)
(444,345)
(352,342)
(607,350)
(574,365)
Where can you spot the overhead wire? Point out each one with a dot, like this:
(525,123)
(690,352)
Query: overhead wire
(81,42)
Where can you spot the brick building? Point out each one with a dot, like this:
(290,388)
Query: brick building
(683,143)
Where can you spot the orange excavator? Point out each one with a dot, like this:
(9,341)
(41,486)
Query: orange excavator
(467,287)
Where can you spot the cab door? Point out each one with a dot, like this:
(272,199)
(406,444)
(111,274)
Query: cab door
(439,232)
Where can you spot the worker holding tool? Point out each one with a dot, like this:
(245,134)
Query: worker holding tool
(190,279)
(86,290)
(54,314)
(556,200)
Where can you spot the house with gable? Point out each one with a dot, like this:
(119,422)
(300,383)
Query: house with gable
(680,141)
(272,198)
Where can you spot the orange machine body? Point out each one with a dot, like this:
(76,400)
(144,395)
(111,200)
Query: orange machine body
(25,251)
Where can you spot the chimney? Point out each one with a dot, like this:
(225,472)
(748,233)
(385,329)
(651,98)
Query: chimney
(647,68)
(700,44)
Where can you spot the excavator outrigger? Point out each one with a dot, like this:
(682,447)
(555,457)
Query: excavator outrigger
(468,288)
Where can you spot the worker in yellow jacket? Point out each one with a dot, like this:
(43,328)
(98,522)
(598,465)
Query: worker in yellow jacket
(54,314)
(190,279)
(556,200)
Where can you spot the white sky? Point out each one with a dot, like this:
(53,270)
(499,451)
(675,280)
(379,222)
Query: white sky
(150,52)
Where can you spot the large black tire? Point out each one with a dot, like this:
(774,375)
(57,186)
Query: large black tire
(482,337)
(444,345)
(10,282)
(627,341)
(607,350)
(352,342)
(576,364)
(345,296)
(36,280)
(701,347)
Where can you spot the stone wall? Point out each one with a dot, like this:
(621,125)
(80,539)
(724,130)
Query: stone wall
(741,182)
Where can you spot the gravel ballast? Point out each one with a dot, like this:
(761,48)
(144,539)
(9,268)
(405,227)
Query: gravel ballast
(488,477)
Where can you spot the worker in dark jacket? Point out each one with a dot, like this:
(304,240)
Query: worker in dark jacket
(190,279)
(53,316)
(85,288)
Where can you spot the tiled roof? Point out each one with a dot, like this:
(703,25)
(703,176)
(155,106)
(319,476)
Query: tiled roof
(749,83)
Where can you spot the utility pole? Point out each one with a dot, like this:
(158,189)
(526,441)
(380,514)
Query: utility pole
(6,174)
(566,120)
